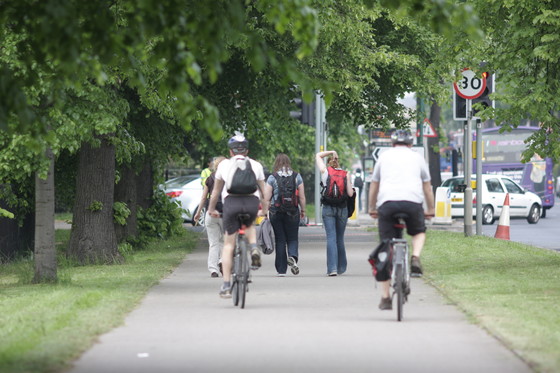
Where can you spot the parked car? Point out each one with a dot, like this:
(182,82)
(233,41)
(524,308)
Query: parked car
(523,203)
(186,191)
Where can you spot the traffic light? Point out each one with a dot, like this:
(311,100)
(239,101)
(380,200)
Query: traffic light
(459,107)
(305,113)
(484,98)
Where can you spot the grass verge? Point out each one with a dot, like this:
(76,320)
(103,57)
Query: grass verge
(44,327)
(510,289)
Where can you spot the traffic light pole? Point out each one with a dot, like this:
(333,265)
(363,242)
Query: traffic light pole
(320,145)
(468,161)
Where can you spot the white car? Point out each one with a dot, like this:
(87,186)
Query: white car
(522,203)
(186,191)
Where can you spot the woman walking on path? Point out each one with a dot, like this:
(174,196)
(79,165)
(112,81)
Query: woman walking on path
(337,186)
(285,189)
(214,226)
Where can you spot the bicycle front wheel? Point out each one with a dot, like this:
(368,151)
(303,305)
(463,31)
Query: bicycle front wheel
(399,288)
(244,271)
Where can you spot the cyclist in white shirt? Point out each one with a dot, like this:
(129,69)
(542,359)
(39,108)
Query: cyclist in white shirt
(401,184)
(234,204)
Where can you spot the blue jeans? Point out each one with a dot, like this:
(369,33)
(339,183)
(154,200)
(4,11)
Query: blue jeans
(286,229)
(334,221)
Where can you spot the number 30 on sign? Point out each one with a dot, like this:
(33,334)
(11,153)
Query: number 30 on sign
(470,86)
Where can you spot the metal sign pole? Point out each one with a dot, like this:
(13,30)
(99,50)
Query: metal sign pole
(319,133)
(478,178)
(467,162)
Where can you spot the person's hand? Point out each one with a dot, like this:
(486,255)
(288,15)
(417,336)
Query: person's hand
(373,214)
(196,216)
(214,213)
(262,213)
(430,213)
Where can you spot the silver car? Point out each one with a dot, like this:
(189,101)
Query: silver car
(187,192)
(523,203)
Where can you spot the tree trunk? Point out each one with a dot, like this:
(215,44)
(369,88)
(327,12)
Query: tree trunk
(45,250)
(145,186)
(125,191)
(93,238)
(433,146)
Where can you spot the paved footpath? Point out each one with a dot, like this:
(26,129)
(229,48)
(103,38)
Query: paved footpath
(305,323)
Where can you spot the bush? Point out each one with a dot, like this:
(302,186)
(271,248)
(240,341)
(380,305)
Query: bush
(162,220)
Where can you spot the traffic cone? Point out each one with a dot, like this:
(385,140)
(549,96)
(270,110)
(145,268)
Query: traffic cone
(502,232)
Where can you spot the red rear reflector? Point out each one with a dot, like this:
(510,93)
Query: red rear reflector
(174,194)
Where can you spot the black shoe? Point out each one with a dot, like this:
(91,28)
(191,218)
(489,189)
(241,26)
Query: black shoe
(416,267)
(386,304)
(214,274)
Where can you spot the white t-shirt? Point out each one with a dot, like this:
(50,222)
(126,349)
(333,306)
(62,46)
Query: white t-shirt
(224,168)
(400,172)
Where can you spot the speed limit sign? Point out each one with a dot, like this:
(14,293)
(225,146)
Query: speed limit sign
(470,86)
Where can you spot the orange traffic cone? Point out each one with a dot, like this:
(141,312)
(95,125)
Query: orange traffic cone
(502,231)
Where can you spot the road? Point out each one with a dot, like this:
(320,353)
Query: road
(543,234)
(307,323)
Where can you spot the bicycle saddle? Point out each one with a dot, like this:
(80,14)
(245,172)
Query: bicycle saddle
(400,215)
(243,216)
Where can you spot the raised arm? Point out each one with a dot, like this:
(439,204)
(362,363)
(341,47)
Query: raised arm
(319,159)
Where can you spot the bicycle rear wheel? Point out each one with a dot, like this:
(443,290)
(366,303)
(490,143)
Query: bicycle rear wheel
(399,288)
(244,271)
(235,278)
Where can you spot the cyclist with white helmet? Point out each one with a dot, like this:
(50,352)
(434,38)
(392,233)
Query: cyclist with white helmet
(235,204)
(401,183)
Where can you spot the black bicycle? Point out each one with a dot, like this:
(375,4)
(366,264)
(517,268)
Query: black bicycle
(400,277)
(241,271)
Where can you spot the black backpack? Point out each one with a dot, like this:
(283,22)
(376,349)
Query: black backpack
(381,260)
(287,200)
(241,179)
(358,182)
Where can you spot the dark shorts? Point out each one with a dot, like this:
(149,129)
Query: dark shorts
(234,205)
(414,223)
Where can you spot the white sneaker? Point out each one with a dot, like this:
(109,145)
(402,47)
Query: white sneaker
(255,259)
(293,265)
(225,292)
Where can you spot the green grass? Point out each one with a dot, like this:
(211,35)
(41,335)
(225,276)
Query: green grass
(44,327)
(510,289)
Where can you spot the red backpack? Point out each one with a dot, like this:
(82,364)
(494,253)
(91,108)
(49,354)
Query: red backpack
(334,192)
